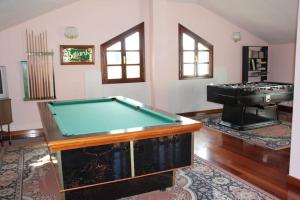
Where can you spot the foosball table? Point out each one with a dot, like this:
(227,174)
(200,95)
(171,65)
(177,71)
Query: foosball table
(250,105)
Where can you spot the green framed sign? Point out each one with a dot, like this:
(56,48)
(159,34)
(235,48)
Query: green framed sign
(77,54)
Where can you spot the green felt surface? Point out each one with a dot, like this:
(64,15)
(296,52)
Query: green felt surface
(91,116)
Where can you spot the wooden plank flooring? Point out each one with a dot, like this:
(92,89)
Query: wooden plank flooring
(265,168)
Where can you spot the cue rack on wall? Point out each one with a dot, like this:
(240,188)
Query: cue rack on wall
(38,70)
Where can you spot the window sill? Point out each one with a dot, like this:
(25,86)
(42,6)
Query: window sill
(196,77)
(104,82)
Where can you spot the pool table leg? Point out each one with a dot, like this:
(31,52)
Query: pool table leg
(132,158)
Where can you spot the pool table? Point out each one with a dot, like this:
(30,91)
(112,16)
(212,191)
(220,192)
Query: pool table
(115,147)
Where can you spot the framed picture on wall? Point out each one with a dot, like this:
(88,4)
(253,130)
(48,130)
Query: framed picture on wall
(77,54)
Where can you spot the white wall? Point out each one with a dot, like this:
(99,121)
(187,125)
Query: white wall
(190,95)
(99,21)
(295,158)
(282,62)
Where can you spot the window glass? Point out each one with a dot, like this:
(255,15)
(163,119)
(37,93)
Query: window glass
(203,56)
(188,42)
(202,69)
(132,57)
(113,58)
(132,42)
(114,72)
(202,47)
(133,71)
(188,69)
(188,56)
(116,46)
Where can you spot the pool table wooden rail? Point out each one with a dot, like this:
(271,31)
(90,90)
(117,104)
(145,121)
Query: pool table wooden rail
(57,142)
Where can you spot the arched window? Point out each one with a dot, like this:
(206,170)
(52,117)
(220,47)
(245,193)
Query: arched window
(122,57)
(195,55)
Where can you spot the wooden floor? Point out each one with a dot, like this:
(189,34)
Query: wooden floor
(267,169)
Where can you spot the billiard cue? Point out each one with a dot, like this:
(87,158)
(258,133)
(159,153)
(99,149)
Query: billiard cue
(47,68)
(28,66)
(41,65)
(46,65)
(32,65)
(38,57)
(38,66)
(51,72)
(53,77)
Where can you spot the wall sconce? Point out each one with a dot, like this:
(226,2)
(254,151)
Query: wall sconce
(71,32)
(236,36)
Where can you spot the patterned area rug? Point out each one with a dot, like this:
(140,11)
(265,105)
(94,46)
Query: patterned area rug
(273,137)
(204,181)
(26,173)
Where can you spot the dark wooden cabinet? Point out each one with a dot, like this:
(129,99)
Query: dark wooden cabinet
(5,111)
(5,117)
(255,63)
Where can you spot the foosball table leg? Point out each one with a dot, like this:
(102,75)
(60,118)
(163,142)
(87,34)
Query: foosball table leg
(1,139)
(8,130)
(277,113)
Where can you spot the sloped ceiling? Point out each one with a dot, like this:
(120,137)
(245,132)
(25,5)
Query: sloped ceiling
(13,12)
(274,21)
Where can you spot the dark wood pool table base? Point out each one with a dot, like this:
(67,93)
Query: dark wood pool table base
(125,188)
(148,161)
(113,165)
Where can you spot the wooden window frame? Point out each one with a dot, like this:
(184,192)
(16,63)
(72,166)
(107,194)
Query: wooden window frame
(121,38)
(197,38)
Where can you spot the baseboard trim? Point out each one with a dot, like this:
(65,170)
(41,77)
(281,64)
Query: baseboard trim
(23,134)
(293,181)
(191,114)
